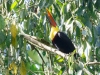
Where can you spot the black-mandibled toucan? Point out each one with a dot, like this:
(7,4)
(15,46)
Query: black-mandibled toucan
(59,39)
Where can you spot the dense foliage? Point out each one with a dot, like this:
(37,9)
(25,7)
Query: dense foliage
(79,19)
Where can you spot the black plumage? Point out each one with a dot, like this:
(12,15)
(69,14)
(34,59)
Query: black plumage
(63,43)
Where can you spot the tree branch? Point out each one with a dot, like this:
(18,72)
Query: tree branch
(92,63)
(86,71)
(34,41)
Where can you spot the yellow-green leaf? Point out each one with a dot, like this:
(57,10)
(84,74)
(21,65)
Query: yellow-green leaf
(61,60)
(7,72)
(13,41)
(13,67)
(14,4)
(13,30)
(23,68)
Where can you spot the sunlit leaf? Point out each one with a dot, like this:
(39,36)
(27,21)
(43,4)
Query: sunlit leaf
(63,8)
(79,72)
(78,23)
(61,60)
(61,70)
(14,4)
(13,67)
(59,3)
(35,67)
(35,56)
(21,2)
(68,7)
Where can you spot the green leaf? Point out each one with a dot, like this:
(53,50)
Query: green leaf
(78,23)
(90,6)
(57,9)
(63,8)
(21,2)
(78,34)
(2,23)
(2,37)
(98,30)
(42,3)
(62,70)
(20,42)
(59,3)
(9,5)
(80,11)
(34,56)
(14,4)
(97,4)
(22,14)
(79,72)
(35,67)
(84,32)
(61,60)
(8,40)
(87,21)
(98,54)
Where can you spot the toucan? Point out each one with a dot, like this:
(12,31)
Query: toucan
(59,39)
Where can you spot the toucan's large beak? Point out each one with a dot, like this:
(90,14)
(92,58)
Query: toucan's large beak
(51,19)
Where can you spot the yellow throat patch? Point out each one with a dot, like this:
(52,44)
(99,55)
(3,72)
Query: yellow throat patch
(53,32)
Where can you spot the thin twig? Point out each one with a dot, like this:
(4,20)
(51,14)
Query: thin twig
(40,56)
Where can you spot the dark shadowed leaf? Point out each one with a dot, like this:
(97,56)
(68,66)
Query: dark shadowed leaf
(2,22)
(97,4)
(80,11)
(9,2)
(8,40)
(2,37)
(98,30)
(57,10)
(78,32)
(87,21)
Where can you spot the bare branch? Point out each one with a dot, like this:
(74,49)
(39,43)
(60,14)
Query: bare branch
(92,63)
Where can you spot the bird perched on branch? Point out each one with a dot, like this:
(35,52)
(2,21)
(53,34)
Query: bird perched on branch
(59,39)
